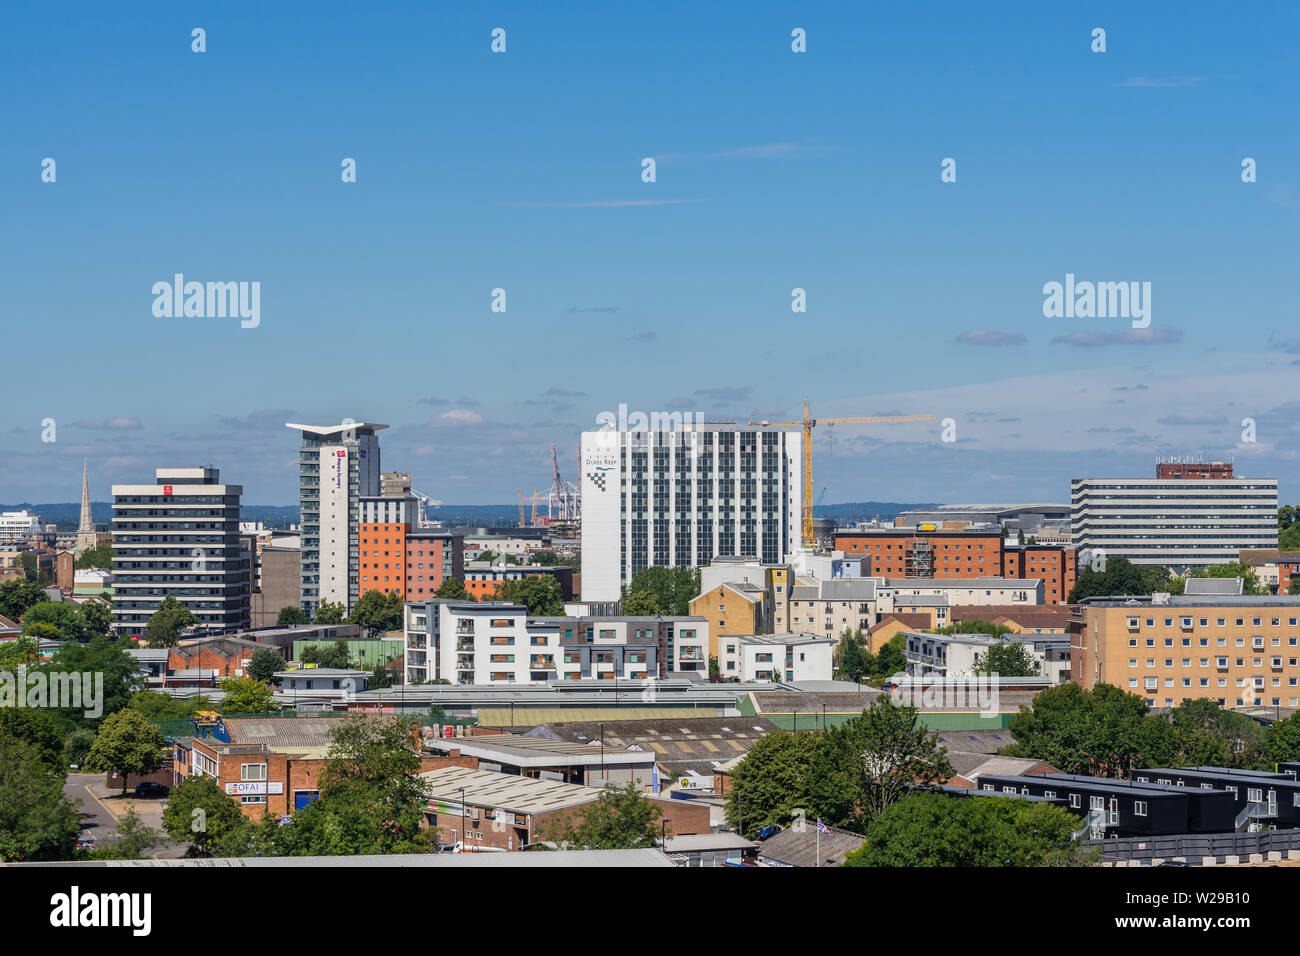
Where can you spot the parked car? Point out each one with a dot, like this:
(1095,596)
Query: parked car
(771,830)
(87,843)
(150,789)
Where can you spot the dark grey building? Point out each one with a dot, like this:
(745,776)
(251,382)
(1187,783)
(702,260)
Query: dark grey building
(179,537)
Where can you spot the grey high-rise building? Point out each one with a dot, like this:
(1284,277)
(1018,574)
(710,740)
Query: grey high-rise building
(179,537)
(338,465)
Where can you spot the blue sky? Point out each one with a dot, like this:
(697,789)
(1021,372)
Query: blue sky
(775,170)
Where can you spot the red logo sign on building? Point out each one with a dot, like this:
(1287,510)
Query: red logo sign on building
(167,489)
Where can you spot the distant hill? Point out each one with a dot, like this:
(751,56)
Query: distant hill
(68,514)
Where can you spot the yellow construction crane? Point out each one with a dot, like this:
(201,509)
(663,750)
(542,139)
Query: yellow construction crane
(807,426)
(521,508)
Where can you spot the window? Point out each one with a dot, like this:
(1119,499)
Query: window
(1139,808)
(252,771)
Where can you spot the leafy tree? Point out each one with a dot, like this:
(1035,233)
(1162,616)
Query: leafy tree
(291,616)
(37,821)
(453,589)
(126,743)
(97,617)
(22,650)
(378,612)
(973,627)
(931,829)
(1282,740)
(153,706)
(63,616)
(770,783)
(39,730)
(621,818)
(264,663)
(891,659)
(666,591)
(872,761)
(131,839)
(216,814)
(1007,659)
(245,695)
(76,748)
(1206,735)
(329,613)
(1294,586)
(100,556)
(1250,580)
(854,660)
(101,655)
(16,596)
(1101,732)
(41,631)
(167,622)
(715,670)
(1121,577)
(541,594)
(334,655)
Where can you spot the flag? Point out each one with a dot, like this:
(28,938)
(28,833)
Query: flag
(822,828)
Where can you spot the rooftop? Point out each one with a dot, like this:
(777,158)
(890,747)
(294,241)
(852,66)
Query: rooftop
(504,791)
(521,750)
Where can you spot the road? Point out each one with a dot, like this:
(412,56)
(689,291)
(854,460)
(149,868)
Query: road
(100,809)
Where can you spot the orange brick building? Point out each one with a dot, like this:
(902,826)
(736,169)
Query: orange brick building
(396,556)
(950,553)
(483,581)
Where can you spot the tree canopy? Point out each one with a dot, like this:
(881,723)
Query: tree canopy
(658,590)
(167,622)
(126,743)
(1121,576)
(621,818)
(540,593)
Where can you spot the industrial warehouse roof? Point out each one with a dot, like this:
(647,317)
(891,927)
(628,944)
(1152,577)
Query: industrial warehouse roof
(505,791)
(533,716)
(802,847)
(520,750)
(786,702)
(282,731)
(976,741)
(683,743)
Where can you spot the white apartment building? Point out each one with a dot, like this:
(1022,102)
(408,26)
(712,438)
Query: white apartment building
(954,655)
(893,594)
(18,526)
(466,642)
(679,495)
(776,657)
(1178,523)
(829,607)
(338,465)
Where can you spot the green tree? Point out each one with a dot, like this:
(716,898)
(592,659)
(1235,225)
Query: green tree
(100,556)
(22,650)
(329,613)
(1099,732)
(131,839)
(972,627)
(291,617)
(771,782)
(378,612)
(197,812)
(264,663)
(245,695)
(1206,735)
(621,818)
(1007,659)
(872,761)
(657,590)
(167,622)
(1282,740)
(931,829)
(126,743)
(37,728)
(37,822)
(333,655)
(63,616)
(541,594)
(853,659)
(891,659)
(16,596)
(453,589)
(97,617)
(101,655)
(153,706)
(1120,577)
